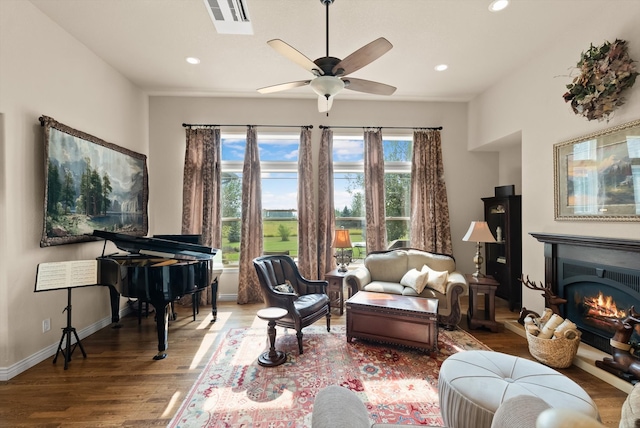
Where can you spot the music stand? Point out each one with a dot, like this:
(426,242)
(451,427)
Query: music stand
(67,275)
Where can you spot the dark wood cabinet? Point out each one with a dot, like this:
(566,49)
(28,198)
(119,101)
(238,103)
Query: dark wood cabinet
(503,259)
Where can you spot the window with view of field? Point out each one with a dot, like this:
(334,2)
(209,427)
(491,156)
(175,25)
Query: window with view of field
(279,172)
(348,170)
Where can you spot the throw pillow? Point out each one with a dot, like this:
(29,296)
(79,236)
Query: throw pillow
(436,280)
(285,288)
(415,279)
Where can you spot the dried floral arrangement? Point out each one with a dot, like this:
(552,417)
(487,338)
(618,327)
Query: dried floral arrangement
(605,73)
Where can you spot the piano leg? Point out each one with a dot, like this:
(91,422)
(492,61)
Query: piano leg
(162,324)
(114,296)
(214,300)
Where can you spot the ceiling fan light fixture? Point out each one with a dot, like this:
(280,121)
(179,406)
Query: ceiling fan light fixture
(498,5)
(327,86)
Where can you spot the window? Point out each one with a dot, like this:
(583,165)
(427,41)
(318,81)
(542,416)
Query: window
(348,157)
(279,168)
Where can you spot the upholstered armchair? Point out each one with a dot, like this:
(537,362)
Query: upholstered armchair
(282,286)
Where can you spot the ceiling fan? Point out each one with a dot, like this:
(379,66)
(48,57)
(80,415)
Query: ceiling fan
(331,72)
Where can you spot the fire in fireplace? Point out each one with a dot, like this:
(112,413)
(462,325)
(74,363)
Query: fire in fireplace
(594,305)
(595,300)
(601,308)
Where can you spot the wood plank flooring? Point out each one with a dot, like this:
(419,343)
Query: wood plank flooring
(119,385)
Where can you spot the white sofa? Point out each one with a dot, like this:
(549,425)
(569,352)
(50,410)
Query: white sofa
(383,271)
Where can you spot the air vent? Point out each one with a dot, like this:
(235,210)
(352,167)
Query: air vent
(229,16)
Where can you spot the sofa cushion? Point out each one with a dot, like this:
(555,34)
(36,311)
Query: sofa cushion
(436,280)
(630,415)
(309,304)
(386,287)
(520,411)
(388,267)
(415,279)
(285,288)
(338,407)
(416,259)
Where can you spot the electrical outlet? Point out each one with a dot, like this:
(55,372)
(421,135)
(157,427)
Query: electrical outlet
(46,325)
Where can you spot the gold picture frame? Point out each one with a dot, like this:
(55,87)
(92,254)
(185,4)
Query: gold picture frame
(597,176)
(90,184)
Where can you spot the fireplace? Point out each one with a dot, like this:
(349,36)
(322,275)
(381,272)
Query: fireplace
(599,278)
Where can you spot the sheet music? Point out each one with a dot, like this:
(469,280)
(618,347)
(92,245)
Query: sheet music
(75,273)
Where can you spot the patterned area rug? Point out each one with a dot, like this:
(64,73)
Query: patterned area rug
(397,384)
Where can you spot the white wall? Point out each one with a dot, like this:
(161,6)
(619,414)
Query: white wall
(469,176)
(45,71)
(529,102)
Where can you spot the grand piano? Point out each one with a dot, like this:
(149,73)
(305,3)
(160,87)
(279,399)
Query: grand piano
(157,271)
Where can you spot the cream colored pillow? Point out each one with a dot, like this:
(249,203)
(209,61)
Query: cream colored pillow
(415,279)
(436,280)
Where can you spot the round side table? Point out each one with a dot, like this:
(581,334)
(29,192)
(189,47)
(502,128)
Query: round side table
(272,358)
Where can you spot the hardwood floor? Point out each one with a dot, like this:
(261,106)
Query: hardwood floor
(119,384)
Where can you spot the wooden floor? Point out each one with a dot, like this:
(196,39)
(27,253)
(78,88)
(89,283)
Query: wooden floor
(119,384)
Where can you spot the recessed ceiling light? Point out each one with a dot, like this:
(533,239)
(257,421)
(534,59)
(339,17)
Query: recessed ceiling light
(441,67)
(193,60)
(498,5)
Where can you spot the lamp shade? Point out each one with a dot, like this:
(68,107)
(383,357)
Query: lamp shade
(342,239)
(479,232)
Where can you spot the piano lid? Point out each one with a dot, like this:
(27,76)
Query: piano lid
(157,246)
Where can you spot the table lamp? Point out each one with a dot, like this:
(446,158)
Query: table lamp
(478,232)
(342,241)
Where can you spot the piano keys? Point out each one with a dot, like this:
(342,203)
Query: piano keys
(157,271)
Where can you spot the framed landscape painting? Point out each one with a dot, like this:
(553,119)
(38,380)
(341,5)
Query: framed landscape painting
(90,185)
(597,177)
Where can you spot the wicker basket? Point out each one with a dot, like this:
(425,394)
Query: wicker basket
(559,352)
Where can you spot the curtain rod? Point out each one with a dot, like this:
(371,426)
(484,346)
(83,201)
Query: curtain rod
(190,125)
(438,128)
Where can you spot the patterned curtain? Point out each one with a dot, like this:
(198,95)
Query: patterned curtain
(374,190)
(201,192)
(430,229)
(326,213)
(307,243)
(251,228)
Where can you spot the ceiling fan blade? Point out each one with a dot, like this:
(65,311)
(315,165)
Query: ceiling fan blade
(363,56)
(368,86)
(294,55)
(283,86)
(324,104)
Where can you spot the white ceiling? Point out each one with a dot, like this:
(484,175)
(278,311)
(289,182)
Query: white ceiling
(148,40)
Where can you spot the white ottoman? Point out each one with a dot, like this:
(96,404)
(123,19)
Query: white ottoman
(473,384)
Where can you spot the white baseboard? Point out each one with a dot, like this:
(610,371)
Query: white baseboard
(14,370)
(227,297)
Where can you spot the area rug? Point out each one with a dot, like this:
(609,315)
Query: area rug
(397,384)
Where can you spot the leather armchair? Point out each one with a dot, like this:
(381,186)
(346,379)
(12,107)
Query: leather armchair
(306,301)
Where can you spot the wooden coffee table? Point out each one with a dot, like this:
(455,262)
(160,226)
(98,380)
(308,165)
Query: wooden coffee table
(392,318)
